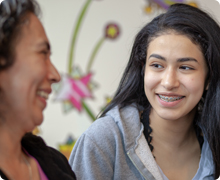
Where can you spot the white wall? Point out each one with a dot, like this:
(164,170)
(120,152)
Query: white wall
(59,17)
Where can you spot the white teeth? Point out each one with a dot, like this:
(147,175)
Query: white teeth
(43,94)
(170,99)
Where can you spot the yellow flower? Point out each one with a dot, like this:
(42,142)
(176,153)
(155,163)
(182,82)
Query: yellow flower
(192,4)
(112,31)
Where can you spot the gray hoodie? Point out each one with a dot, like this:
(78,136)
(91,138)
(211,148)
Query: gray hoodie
(114,147)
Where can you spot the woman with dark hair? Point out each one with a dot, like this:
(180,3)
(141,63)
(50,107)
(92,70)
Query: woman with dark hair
(164,120)
(26,76)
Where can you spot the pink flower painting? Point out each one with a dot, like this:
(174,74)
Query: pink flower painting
(74,90)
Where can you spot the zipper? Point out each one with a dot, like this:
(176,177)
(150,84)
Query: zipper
(138,168)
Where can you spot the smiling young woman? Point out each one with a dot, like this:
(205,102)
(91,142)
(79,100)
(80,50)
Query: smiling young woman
(175,76)
(164,120)
(26,76)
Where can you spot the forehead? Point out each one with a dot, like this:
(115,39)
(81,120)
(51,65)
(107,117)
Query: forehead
(32,31)
(174,44)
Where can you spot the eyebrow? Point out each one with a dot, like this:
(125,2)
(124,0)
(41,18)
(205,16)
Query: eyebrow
(178,60)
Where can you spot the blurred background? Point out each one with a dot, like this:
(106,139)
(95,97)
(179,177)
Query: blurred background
(91,42)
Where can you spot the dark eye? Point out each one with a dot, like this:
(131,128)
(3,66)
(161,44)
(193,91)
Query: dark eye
(157,66)
(45,52)
(186,68)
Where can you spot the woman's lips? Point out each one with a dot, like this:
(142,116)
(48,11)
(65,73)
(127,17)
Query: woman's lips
(169,100)
(43,94)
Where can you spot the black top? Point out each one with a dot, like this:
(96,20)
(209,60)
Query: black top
(53,163)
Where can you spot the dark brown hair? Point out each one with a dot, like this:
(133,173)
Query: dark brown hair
(12,13)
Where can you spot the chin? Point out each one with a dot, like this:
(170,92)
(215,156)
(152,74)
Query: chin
(170,118)
(170,115)
(37,120)
(33,127)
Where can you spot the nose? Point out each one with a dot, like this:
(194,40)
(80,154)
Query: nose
(170,79)
(53,74)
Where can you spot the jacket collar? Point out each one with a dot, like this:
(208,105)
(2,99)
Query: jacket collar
(128,121)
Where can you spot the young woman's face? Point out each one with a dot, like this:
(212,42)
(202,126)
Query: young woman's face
(25,85)
(175,76)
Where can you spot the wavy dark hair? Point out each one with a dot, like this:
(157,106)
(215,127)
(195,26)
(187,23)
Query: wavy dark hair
(12,14)
(203,31)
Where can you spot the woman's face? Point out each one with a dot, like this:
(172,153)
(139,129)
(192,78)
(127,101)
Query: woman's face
(175,76)
(25,86)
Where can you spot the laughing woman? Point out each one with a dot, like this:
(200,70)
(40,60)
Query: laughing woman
(164,120)
(26,75)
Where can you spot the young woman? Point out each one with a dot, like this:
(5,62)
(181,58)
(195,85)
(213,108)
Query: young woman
(164,120)
(26,75)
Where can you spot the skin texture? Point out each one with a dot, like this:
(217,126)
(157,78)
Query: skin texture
(21,105)
(175,67)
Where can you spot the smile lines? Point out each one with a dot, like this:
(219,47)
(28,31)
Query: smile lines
(170,98)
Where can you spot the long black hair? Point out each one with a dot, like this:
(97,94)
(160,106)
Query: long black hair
(203,31)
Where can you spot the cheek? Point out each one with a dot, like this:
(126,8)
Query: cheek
(42,70)
(150,81)
(195,86)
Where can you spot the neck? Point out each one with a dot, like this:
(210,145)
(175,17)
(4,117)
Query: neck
(172,134)
(176,148)
(10,143)
(13,161)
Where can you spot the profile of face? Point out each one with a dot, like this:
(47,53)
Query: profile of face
(175,76)
(25,85)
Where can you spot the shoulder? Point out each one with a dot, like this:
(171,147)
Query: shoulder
(116,123)
(117,127)
(93,154)
(105,126)
(102,136)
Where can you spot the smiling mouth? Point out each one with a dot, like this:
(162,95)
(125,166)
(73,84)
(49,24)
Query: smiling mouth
(170,98)
(43,94)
